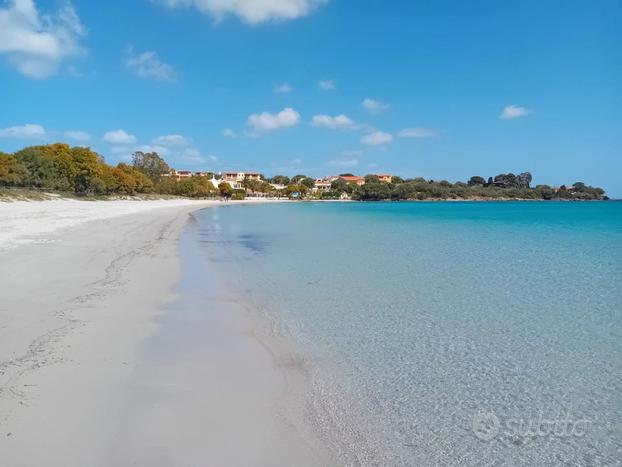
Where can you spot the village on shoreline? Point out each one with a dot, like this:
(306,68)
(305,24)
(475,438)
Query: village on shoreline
(80,171)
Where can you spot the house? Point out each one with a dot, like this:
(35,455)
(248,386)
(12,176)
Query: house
(323,184)
(235,179)
(385,178)
(202,174)
(353,179)
(238,177)
(180,174)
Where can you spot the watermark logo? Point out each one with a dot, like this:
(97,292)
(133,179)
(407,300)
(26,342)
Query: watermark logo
(486,426)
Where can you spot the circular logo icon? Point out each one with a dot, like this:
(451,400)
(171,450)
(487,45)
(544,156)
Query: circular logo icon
(485,426)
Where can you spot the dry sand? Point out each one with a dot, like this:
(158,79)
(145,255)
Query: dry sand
(82,288)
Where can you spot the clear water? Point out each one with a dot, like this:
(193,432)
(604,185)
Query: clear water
(443,333)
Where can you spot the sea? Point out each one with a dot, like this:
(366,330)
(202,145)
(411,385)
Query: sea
(439,333)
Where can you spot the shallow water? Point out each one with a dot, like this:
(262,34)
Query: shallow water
(443,333)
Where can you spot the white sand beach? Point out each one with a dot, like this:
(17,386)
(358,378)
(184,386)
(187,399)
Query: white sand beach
(82,286)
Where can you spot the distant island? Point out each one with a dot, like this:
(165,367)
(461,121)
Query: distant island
(60,168)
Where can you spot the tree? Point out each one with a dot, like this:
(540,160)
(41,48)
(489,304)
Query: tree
(196,187)
(296,190)
(297,179)
(307,182)
(371,178)
(12,172)
(373,191)
(41,171)
(138,180)
(280,180)
(476,180)
(88,170)
(151,164)
(50,167)
(225,190)
(238,195)
(340,185)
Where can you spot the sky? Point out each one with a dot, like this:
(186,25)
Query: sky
(442,90)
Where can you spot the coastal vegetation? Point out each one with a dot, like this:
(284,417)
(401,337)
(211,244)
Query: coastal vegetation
(82,172)
(504,186)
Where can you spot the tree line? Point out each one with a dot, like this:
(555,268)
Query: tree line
(502,186)
(60,167)
(80,170)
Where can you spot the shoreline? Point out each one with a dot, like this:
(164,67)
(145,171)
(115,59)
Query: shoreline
(69,351)
(228,377)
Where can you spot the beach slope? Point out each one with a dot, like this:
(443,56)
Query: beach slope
(83,284)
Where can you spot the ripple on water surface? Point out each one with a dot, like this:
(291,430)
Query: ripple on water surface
(445,333)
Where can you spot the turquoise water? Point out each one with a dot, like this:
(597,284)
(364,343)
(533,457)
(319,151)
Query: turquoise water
(443,333)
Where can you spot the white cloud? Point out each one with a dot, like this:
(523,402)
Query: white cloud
(78,135)
(28,131)
(344,163)
(171,140)
(514,111)
(148,65)
(251,11)
(229,133)
(374,106)
(119,137)
(417,133)
(284,88)
(377,138)
(327,85)
(265,121)
(338,122)
(37,44)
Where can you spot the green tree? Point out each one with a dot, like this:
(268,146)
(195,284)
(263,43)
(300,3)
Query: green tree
(476,180)
(238,195)
(280,180)
(373,191)
(151,164)
(307,182)
(12,172)
(225,190)
(41,172)
(88,169)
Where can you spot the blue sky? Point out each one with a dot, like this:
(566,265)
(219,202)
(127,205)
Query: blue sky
(444,89)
